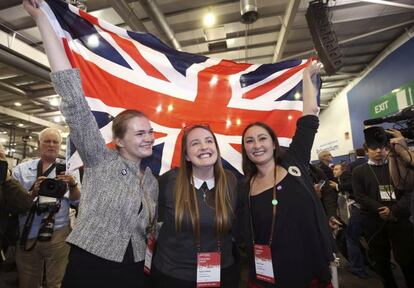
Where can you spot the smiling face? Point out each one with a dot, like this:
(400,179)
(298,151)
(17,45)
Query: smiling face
(201,148)
(138,139)
(259,145)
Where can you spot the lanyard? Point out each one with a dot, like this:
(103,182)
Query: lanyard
(274,203)
(198,240)
(387,189)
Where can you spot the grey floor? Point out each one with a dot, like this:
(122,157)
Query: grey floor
(346,279)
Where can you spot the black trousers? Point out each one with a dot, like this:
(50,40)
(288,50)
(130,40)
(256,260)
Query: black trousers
(86,270)
(383,236)
(230,278)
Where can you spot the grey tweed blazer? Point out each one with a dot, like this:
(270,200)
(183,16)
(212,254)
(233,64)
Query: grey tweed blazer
(112,193)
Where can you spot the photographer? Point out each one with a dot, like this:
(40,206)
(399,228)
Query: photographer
(384,212)
(44,230)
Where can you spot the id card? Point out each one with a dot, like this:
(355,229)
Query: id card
(208,269)
(387,192)
(148,254)
(263,263)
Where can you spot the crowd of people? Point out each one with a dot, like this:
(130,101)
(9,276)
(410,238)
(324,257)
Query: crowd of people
(186,228)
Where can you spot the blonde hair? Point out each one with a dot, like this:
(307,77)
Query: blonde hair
(185,196)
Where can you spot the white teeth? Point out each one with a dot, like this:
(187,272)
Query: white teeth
(258,153)
(206,155)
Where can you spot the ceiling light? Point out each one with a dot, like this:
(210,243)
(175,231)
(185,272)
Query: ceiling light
(209,19)
(297,96)
(20,125)
(54,101)
(57,119)
(159,108)
(290,117)
(17,104)
(170,107)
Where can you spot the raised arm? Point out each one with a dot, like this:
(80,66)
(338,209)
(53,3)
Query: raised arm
(310,103)
(84,130)
(53,46)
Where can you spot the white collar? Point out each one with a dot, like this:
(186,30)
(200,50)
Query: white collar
(198,182)
(370,162)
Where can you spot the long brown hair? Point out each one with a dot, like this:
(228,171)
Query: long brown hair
(185,196)
(249,168)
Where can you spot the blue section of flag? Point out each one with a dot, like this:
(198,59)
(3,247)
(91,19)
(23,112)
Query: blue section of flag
(264,71)
(154,161)
(85,32)
(102,118)
(181,61)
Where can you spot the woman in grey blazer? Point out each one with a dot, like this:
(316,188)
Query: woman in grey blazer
(119,200)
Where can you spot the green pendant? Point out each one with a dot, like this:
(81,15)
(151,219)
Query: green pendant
(274,202)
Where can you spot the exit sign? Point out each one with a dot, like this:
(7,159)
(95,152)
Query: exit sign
(393,102)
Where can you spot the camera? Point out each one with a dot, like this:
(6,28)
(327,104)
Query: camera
(377,137)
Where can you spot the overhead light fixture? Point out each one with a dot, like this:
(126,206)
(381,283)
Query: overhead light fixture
(248,11)
(17,104)
(20,125)
(209,19)
(54,101)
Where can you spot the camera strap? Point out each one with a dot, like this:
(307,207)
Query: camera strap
(30,217)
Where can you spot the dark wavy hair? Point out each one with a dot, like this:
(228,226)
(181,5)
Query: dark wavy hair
(249,168)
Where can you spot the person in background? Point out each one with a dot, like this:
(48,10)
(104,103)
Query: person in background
(119,199)
(360,159)
(402,164)
(343,185)
(285,228)
(34,256)
(198,205)
(325,162)
(13,200)
(384,216)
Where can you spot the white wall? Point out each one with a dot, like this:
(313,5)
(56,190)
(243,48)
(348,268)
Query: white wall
(334,123)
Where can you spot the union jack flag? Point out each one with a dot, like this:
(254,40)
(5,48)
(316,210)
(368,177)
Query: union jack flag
(122,70)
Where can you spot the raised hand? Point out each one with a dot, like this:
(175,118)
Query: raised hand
(32,7)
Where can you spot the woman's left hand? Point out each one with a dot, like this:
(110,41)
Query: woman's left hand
(314,67)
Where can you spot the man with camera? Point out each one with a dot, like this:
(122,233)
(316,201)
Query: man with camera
(402,164)
(384,212)
(45,228)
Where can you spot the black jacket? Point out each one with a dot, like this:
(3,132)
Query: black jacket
(297,155)
(13,200)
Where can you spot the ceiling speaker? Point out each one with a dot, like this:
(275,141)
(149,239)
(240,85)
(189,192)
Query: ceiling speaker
(323,36)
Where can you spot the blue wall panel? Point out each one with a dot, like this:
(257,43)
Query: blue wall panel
(392,72)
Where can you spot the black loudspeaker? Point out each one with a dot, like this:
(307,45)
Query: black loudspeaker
(324,37)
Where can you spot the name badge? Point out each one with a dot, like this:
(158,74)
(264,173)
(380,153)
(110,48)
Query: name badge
(148,254)
(208,269)
(263,263)
(387,192)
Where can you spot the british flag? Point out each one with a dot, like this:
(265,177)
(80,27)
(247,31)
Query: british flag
(121,70)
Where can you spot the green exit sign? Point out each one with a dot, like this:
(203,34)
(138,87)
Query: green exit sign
(393,102)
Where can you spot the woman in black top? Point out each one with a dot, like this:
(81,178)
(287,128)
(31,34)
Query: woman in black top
(197,204)
(283,216)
